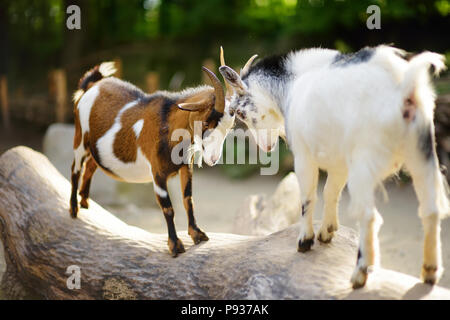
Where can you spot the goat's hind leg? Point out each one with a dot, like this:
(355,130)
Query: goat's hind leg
(429,185)
(88,172)
(307,174)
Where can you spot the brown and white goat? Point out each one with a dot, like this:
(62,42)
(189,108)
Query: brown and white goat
(128,134)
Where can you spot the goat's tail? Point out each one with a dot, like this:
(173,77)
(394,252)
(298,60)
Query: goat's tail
(419,96)
(416,74)
(106,69)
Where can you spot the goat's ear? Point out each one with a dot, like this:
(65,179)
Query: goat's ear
(194,106)
(232,78)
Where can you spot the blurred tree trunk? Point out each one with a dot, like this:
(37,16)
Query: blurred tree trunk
(4,108)
(3,36)
(97,256)
(73,39)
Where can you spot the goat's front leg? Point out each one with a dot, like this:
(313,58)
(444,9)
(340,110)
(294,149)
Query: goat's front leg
(307,175)
(196,234)
(331,194)
(162,196)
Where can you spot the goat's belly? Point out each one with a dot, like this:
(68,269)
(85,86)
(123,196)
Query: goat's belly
(330,162)
(139,171)
(327,147)
(329,159)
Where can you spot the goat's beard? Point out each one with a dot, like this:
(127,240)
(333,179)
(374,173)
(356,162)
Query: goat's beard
(194,150)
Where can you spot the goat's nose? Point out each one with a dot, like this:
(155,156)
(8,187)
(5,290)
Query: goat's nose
(213,159)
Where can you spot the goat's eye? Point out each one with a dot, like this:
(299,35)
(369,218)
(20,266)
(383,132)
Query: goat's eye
(205,124)
(242,114)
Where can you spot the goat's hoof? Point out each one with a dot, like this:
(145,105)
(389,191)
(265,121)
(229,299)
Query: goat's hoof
(332,228)
(359,277)
(73,212)
(175,248)
(305,244)
(84,203)
(430,274)
(325,236)
(197,235)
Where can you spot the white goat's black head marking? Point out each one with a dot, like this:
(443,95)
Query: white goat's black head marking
(243,105)
(273,66)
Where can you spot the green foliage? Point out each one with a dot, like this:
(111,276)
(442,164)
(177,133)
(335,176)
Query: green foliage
(39,26)
(170,36)
(35,28)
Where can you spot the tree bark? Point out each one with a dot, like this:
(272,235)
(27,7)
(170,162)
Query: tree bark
(118,261)
(4,41)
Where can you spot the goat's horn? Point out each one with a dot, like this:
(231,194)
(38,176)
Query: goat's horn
(218,90)
(222,59)
(227,85)
(244,70)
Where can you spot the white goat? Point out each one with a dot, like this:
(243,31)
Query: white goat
(360,117)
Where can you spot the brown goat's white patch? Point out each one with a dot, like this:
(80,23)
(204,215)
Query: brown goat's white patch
(118,152)
(137,127)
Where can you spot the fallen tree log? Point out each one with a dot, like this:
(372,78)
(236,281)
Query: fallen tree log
(118,261)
